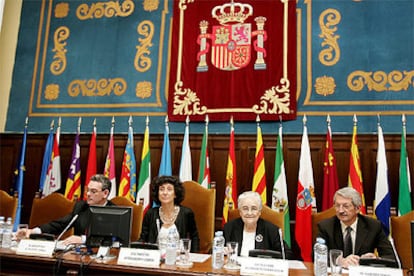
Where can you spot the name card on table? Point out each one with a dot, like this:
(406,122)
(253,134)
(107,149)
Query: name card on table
(139,257)
(363,270)
(263,266)
(36,248)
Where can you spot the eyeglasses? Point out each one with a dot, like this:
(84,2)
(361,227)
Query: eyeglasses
(93,191)
(345,206)
(246,209)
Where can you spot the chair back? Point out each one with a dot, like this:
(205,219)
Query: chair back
(273,216)
(203,203)
(401,233)
(317,217)
(49,208)
(136,215)
(8,205)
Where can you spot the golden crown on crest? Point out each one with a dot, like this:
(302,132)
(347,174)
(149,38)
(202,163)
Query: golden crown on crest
(232,12)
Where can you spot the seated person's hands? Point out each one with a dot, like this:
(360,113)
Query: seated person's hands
(73,240)
(369,255)
(350,260)
(24,233)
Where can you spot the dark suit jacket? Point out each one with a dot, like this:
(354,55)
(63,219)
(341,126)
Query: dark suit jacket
(369,236)
(80,225)
(267,236)
(185,224)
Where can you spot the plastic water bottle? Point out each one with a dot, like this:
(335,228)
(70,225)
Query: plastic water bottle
(172,246)
(7,234)
(218,250)
(2,224)
(320,251)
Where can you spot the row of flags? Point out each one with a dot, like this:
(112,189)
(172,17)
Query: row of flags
(305,201)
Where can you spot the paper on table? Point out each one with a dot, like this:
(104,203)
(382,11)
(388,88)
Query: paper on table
(296,264)
(199,258)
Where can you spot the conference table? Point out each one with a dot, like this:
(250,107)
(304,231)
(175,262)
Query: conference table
(71,263)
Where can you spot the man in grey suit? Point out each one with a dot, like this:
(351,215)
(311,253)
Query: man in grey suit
(357,235)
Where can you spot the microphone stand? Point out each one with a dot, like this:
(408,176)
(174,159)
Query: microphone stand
(282,244)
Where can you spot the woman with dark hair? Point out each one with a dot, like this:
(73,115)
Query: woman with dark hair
(168,192)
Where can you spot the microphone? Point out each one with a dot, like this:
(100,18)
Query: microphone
(394,250)
(282,245)
(75,217)
(82,206)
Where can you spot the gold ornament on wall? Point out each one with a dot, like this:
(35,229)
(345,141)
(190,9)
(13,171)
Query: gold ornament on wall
(143,89)
(327,22)
(61,10)
(275,100)
(59,63)
(52,92)
(105,9)
(142,61)
(325,86)
(380,81)
(97,88)
(150,5)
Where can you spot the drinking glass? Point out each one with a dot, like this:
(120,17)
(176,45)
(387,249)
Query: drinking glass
(232,251)
(185,246)
(335,258)
(21,231)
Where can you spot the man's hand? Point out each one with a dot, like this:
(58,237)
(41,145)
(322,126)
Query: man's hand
(72,240)
(369,255)
(23,234)
(350,260)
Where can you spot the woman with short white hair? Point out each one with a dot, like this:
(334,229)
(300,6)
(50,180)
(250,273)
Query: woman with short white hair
(251,231)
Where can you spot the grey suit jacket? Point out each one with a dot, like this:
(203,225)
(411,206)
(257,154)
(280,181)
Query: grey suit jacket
(369,236)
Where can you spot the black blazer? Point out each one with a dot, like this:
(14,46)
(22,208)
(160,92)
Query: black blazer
(185,224)
(369,236)
(267,236)
(80,225)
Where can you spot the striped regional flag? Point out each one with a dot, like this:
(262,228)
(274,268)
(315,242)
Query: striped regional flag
(230,197)
(259,178)
(144,180)
(204,166)
(73,183)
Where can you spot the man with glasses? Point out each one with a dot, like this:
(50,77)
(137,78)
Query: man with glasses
(97,195)
(357,235)
(252,232)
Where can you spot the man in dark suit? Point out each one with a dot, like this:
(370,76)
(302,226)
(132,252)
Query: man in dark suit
(99,187)
(358,236)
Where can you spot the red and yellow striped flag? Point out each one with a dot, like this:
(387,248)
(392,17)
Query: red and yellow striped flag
(230,198)
(259,178)
(355,175)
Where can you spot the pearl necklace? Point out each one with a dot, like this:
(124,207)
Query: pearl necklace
(169,220)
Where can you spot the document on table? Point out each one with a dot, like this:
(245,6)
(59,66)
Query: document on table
(296,264)
(199,258)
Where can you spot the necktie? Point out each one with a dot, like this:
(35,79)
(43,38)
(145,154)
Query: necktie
(348,242)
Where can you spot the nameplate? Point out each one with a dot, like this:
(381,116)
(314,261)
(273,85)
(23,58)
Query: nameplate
(363,270)
(263,266)
(36,248)
(139,257)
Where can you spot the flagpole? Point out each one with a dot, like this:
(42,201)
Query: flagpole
(20,176)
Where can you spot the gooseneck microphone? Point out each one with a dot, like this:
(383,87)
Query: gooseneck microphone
(394,250)
(282,245)
(75,217)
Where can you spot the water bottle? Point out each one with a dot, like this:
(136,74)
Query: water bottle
(320,251)
(172,246)
(2,224)
(7,234)
(218,250)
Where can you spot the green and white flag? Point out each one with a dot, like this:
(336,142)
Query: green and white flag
(280,200)
(404,195)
